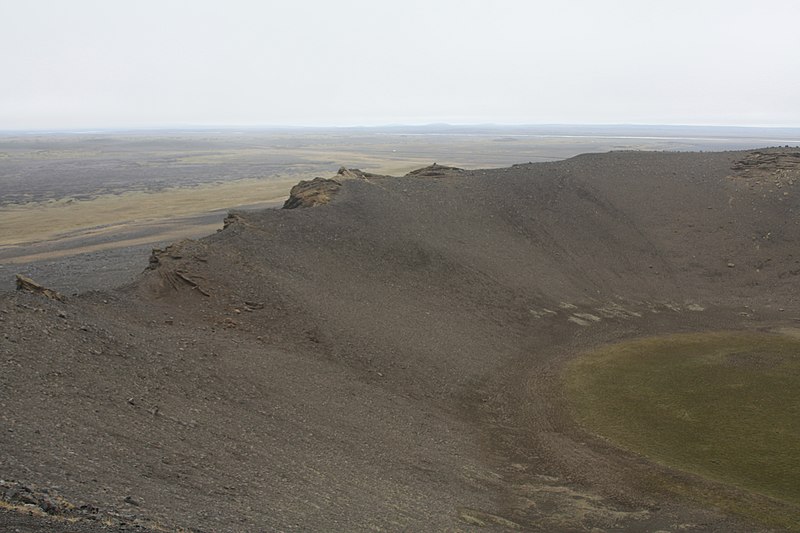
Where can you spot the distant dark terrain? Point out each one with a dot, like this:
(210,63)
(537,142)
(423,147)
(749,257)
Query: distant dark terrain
(393,358)
(39,166)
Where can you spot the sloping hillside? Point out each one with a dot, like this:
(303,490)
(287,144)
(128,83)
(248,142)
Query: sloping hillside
(391,360)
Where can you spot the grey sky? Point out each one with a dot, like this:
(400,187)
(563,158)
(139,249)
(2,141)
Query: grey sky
(143,63)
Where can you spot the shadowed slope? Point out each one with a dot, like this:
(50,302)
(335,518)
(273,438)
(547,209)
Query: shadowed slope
(391,359)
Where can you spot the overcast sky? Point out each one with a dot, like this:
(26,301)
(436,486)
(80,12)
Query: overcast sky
(145,63)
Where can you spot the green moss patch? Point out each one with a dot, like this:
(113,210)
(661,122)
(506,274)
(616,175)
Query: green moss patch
(725,406)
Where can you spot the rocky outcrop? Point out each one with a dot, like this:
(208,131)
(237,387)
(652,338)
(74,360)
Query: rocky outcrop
(27,284)
(435,171)
(318,191)
(354,173)
(780,166)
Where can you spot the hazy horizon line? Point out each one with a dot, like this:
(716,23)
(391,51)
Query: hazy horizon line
(388,125)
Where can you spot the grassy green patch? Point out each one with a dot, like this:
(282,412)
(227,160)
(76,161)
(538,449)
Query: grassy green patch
(725,406)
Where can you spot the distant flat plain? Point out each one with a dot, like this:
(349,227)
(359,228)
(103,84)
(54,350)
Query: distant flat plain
(68,193)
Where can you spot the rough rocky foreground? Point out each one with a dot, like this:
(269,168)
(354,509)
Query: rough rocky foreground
(391,360)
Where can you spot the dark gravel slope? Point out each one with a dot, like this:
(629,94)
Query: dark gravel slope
(390,360)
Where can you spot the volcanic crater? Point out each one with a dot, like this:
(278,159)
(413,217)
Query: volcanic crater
(390,354)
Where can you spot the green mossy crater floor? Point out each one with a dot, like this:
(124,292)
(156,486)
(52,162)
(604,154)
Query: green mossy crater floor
(725,406)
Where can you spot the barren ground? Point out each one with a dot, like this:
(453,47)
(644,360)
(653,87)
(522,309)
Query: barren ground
(392,360)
